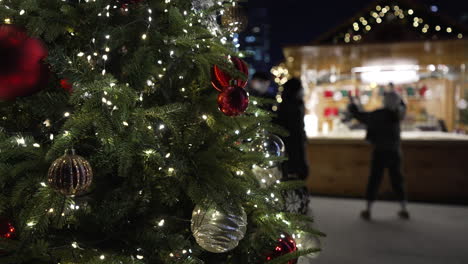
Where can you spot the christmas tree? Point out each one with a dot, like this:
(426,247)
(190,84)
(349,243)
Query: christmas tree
(116,148)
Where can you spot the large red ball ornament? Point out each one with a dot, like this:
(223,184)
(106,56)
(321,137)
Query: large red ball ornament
(221,79)
(7,230)
(233,100)
(22,68)
(284,246)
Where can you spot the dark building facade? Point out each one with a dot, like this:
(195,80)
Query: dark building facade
(255,40)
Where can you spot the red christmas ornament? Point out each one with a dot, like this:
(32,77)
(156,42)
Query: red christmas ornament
(125,3)
(66,85)
(233,100)
(285,245)
(7,230)
(22,68)
(221,79)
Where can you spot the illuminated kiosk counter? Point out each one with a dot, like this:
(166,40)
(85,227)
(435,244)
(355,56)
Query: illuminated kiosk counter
(432,78)
(435,165)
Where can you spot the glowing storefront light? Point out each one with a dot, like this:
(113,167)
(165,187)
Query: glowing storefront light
(311,123)
(384,74)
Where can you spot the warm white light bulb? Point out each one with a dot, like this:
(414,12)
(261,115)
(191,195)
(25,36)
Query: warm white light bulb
(161,223)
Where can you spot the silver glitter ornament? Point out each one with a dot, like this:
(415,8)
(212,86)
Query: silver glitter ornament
(218,231)
(269,144)
(306,241)
(267,176)
(209,19)
(201,5)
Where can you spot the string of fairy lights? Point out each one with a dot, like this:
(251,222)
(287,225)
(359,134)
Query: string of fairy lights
(380,13)
(97,59)
(282,75)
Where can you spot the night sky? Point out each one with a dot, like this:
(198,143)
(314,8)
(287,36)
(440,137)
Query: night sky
(301,21)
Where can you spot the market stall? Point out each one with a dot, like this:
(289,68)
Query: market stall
(430,75)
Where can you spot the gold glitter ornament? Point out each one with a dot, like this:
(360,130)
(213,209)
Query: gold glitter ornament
(70,174)
(235,19)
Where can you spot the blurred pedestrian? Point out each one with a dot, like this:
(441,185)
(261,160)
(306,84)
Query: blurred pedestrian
(290,115)
(383,132)
(259,85)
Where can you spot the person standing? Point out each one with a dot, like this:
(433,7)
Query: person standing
(383,132)
(290,115)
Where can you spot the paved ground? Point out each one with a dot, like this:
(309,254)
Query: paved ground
(435,234)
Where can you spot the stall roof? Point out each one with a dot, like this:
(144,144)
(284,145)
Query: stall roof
(345,57)
(386,21)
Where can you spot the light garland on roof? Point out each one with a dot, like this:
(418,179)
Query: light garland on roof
(363,25)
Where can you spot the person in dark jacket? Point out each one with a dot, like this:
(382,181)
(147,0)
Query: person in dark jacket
(383,132)
(290,115)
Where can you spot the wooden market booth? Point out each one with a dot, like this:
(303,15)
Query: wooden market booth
(425,56)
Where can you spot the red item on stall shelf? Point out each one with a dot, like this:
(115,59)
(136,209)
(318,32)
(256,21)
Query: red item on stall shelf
(331,111)
(423,90)
(399,90)
(328,94)
(336,111)
(352,93)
